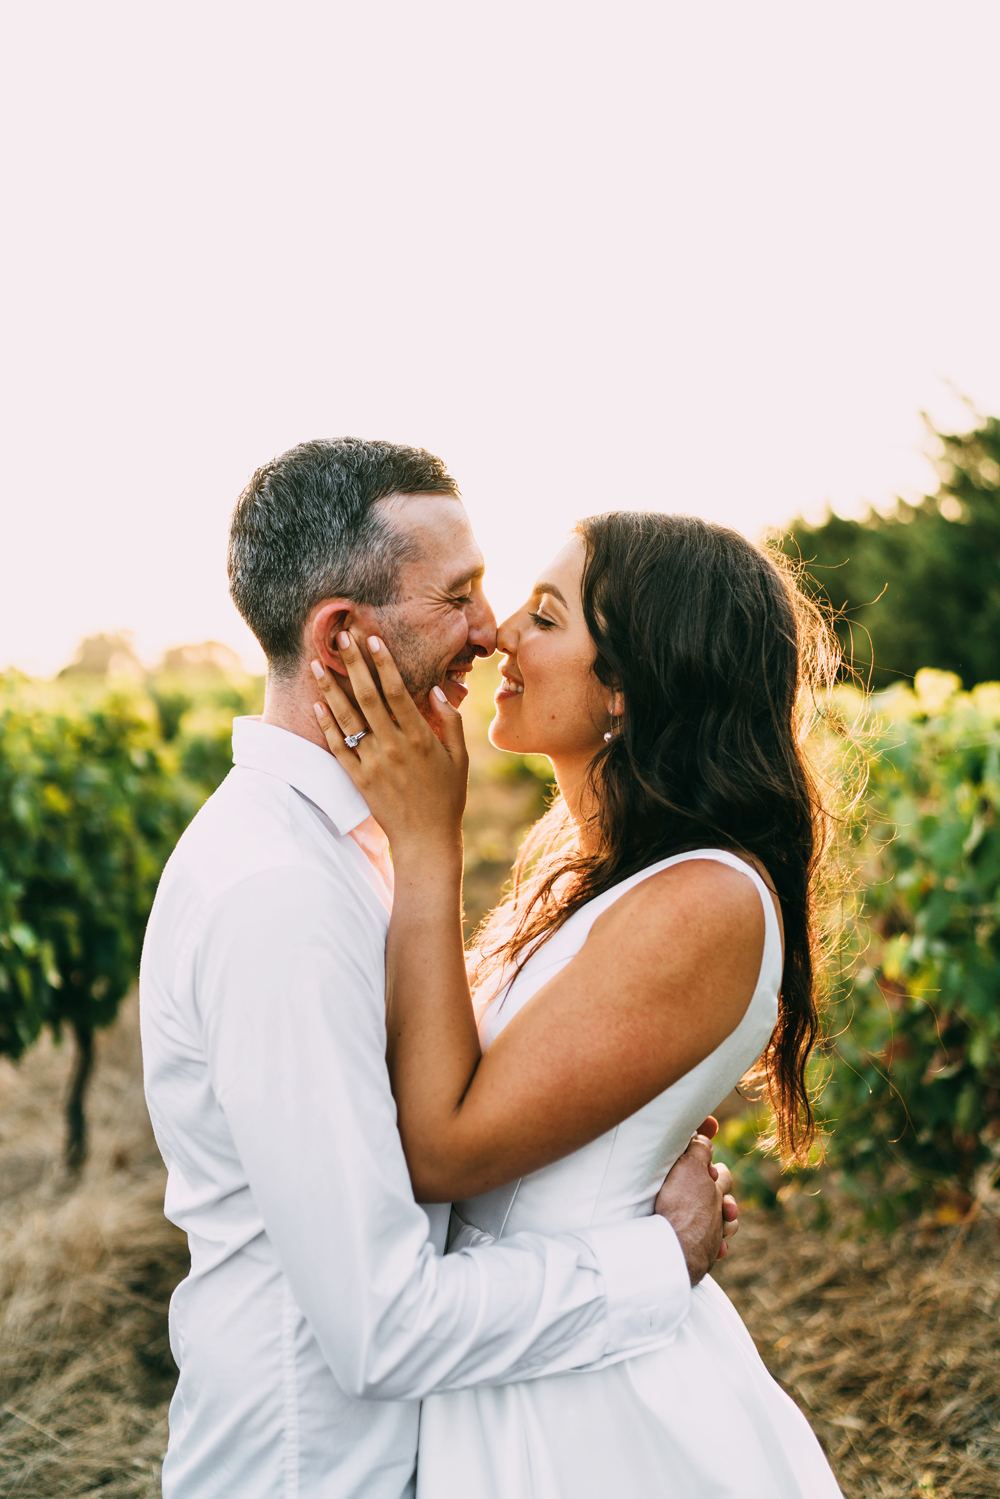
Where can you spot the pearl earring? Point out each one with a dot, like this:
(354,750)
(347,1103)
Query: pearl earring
(612,732)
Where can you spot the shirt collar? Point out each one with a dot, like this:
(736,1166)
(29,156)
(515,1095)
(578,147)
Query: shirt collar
(303,765)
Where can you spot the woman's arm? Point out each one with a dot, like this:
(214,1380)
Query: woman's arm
(433,1043)
(665,974)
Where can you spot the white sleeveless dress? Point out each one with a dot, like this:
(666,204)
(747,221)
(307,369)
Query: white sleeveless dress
(700,1418)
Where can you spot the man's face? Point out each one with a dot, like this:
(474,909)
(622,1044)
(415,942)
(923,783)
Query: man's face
(441,620)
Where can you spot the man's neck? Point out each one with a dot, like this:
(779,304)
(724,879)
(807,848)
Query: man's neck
(288,705)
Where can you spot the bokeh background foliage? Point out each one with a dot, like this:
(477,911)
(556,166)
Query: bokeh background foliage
(908,1080)
(95,788)
(915,1064)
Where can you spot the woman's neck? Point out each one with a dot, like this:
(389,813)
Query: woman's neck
(575,788)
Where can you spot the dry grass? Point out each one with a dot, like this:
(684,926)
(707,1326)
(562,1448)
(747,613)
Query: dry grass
(890,1346)
(85,1273)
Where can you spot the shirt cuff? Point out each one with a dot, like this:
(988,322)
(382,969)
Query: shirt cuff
(462,1235)
(646,1282)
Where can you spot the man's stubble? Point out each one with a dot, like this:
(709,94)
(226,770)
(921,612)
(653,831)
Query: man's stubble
(417,663)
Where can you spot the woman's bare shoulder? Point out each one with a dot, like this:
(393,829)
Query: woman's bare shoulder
(701,922)
(706,887)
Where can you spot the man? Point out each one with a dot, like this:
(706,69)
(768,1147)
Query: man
(319,1308)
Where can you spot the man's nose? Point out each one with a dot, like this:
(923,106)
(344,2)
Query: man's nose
(483,629)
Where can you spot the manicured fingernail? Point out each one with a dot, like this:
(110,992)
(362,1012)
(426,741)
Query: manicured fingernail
(344,640)
(436,692)
(374,644)
(319,711)
(317,670)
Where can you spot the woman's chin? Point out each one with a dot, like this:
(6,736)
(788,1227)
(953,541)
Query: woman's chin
(504,736)
(495,732)
(501,735)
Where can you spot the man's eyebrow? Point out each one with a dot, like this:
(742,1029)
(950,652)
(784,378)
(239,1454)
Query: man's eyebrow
(550,588)
(464,578)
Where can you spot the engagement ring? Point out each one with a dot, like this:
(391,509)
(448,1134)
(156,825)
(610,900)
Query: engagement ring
(353,740)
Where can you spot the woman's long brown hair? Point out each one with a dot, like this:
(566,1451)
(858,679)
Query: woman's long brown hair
(721,660)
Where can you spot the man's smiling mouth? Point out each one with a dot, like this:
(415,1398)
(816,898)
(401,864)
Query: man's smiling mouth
(456,677)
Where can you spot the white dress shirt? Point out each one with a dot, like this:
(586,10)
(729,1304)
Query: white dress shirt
(319,1307)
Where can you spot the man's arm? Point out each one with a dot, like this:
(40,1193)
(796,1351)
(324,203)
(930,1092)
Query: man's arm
(290,991)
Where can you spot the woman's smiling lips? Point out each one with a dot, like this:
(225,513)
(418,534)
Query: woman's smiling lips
(509,687)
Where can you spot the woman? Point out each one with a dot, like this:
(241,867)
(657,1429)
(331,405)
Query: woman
(658,941)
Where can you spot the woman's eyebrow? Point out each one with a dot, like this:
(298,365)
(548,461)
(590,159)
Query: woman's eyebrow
(550,588)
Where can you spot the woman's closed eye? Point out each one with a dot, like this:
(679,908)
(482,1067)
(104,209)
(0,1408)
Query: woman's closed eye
(542,622)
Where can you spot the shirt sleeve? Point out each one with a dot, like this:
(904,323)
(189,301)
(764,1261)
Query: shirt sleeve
(290,988)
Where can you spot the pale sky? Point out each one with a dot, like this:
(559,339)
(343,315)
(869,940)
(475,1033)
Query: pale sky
(712,259)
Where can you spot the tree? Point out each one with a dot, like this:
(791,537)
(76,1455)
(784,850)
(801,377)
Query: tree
(106,656)
(90,806)
(923,581)
(209,658)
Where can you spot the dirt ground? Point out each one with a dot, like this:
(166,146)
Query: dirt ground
(889,1345)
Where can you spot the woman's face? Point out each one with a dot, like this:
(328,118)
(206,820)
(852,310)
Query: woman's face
(549,701)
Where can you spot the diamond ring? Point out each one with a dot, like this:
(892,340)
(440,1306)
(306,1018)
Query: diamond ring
(353,740)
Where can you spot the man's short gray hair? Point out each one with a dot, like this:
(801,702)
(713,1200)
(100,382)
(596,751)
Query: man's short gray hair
(309,526)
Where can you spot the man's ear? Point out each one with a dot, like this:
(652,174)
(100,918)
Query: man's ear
(323,625)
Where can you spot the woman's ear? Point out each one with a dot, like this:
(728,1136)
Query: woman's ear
(616,707)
